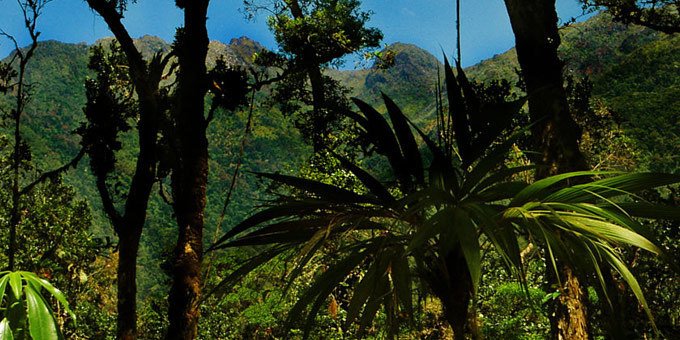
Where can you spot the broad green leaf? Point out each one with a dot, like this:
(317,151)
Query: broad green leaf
(493,159)
(58,294)
(370,182)
(466,232)
(383,138)
(409,148)
(494,119)
(459,113)
(325,191)
(500,176)
(373,304)
(247,267)
(614,186)
(16,284)
(305,254)
(3,285)
(537,190)
(648,210)
(501,191)
(614,214)
(283,210)
(604,230)
(5,330)
(627,276)
(401,279)
(366,287)
(429,229)
(324,284)
(41,322)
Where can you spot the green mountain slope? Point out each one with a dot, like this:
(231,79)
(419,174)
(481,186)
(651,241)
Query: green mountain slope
(635,71)
(410,81)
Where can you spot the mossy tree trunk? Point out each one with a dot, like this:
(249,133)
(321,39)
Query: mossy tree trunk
(190,171)
(555,133)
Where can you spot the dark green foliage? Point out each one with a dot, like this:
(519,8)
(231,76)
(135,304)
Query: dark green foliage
(419,227)
(311,36)
(54,238)
(229,86)
(294,99)
(333,27)
(647,99)
(661,15)
(640,90)
(632,71)
(26,312)
(513,313)
(109,107)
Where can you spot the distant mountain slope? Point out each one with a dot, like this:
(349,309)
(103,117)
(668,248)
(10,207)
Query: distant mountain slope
(636,71)
(410,81)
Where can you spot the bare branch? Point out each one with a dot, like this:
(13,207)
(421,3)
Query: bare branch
(14,42)
(53,174)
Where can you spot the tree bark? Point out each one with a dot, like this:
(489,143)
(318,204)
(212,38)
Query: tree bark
(190,172)
(126,323)
(130,225)
(555,133)
(453,286)
(130,229)
(534,23)
(17,159)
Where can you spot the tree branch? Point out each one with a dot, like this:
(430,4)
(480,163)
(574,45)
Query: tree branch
(53,174)
(107,202)
(107,10)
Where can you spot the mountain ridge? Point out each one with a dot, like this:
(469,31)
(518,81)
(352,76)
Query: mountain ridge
(620,60)
(596,48)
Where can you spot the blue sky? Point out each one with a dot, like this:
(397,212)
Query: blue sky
(427,23)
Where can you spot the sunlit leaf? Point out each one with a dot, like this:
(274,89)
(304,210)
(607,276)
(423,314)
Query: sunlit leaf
(41,323)
(5,330)
(15,283)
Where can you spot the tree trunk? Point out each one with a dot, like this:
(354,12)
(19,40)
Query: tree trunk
(127,287)
(129,226)
(17,112)
(453,287)
(568,319)
(190,173)
(556,135)
(534,23)
(130,232)
(310,63)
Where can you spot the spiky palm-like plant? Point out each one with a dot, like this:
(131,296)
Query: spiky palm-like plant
(429,224)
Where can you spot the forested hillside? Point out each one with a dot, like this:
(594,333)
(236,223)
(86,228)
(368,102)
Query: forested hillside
(633,69)
(635,73)
(625,64)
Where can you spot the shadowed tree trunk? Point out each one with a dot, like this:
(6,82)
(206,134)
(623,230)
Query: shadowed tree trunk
(556,135)
(190,172)
(128,226)
(457,301)
(452,284)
